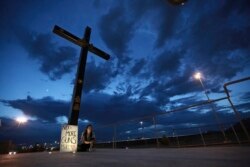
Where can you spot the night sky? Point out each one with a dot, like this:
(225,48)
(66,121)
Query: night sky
(155,50)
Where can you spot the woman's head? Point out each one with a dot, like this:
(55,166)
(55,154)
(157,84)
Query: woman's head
(89,129)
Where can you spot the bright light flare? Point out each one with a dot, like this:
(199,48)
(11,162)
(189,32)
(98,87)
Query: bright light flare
(12,153)
(197,75)
(21,120)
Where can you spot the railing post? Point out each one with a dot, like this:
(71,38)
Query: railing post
(237,114)
(114,137)
(237,138)
(157,141)
(213,110)
(202,138)
(177,139)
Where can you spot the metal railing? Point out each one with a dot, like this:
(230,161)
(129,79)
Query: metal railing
(156,130)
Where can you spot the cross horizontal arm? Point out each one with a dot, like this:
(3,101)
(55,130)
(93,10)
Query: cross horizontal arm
(98,52)
(80,42)
(67,35)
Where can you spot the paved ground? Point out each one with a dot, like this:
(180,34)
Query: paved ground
(168,157)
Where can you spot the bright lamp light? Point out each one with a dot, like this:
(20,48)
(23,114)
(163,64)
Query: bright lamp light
(21,120)
(197,75)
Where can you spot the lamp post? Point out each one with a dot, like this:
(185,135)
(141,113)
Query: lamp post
(198,76)
(141,128)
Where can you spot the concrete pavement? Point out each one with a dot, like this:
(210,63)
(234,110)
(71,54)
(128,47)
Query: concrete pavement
(167,157)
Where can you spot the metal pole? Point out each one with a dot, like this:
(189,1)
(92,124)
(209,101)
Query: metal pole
(213,109)
(237,114)
(237,138)
(157,141)
(142,130)
(114,137)
(177,139)
(202,138)
(239,119)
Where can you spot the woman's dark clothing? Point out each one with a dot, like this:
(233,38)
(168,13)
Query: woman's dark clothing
(89,138)
(84,147)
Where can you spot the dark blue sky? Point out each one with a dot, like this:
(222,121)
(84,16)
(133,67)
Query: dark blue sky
(155,48)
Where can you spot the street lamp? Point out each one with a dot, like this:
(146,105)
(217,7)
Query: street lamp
(198,76)
(21,120)
(141,128)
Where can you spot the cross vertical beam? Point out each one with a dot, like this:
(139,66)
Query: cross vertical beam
(77,93)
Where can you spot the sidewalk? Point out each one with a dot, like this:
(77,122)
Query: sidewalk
(168,157)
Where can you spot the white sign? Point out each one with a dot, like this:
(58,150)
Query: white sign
(69,138)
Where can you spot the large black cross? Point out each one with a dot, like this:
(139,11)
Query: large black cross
(85,47)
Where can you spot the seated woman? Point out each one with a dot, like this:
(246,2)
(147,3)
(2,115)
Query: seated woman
(87,138)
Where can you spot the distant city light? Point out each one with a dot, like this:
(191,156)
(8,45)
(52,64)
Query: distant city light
(141,122)
(12,153)
(197,75)
(21,120)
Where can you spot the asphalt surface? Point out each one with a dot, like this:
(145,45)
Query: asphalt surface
(167,157)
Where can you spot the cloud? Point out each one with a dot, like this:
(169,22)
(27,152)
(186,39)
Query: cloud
(46,108)
(103,109)
(211,37)
(116,31)
(185,101)
(95,107)
(29,133)
(243,107)
(54,61)
(138,67)
(185,43)
(167,64)
(211,42)
(170,85)
(61,119)
(246,96)
(118,26)
(216,40)
(97,77)
(107,109)
(167,27)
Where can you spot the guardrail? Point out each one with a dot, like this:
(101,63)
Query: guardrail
(146,131)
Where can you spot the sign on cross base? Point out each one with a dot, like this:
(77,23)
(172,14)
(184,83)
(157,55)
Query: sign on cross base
(77,93)
(69,138)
